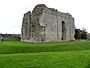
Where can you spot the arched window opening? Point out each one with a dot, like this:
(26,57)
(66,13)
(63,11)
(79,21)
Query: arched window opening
(63,31)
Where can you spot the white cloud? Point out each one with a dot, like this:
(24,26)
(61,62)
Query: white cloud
(11,12)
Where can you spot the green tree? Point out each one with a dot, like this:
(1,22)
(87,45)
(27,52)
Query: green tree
(80,34)
(77,34)
(83,34)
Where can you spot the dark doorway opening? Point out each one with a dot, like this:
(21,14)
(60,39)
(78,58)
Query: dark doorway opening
(63,31)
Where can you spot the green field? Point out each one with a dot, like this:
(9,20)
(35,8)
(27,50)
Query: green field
(71,54)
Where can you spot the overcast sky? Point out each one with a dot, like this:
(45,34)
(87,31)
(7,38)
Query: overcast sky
(11,12)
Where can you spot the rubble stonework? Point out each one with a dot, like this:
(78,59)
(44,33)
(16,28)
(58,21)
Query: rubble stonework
(47,24)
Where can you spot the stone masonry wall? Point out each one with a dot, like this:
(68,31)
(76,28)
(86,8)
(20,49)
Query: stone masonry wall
(47,24)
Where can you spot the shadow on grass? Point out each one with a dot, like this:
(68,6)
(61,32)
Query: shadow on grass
(88,64)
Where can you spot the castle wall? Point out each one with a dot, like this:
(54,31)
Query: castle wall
(26,26)
(52,20)
(47,24)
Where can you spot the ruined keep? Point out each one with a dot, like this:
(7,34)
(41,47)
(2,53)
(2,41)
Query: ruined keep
(47,24)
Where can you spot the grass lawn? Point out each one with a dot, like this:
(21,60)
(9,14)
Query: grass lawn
(16,54)
(10,47)
(70,59)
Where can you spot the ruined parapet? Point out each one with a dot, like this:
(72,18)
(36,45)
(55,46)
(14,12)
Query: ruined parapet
(37,11)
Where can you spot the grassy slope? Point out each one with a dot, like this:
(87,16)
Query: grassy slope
(73,59)
(68,55)
(22,47)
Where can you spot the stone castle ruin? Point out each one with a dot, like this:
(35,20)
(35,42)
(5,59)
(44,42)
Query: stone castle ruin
(47,25)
